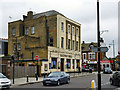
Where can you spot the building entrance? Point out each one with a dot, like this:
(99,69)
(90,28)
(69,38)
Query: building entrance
(62,64)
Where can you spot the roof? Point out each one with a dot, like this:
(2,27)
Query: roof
(47,13)
(86,46)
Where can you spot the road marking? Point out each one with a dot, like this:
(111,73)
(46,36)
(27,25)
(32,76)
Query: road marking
(105,83)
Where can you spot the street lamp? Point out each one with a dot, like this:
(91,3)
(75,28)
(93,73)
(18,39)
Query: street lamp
(103,31)
(113,54)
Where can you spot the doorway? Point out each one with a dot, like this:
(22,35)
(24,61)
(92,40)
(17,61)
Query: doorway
(62,64)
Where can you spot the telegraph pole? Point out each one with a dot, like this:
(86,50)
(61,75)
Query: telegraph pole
(98,33)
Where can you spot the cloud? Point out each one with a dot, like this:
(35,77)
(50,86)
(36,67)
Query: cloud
(82,11)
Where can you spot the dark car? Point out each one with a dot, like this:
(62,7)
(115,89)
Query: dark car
(85,70)
(107,70)
(115,79)
(56,78)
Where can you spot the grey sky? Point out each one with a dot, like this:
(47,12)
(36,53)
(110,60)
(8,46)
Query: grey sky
(82,11)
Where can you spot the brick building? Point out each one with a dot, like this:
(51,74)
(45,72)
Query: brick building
(89,54)
(50,35)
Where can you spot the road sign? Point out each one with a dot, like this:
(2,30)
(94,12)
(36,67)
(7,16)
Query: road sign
(36,57)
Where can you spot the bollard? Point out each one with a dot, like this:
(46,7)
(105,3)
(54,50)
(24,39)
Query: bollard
(27,79)
(36,77)
(93,86)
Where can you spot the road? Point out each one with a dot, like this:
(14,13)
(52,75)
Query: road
(77,82)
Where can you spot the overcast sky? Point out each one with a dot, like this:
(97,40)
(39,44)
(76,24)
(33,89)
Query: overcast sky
(81,11)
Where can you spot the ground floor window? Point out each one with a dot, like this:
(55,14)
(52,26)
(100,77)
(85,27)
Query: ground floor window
(45,67)
(68,64)
(54,63)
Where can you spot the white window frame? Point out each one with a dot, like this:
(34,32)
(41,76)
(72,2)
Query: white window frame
(69,26)
(92,55)
(62,38)
(26,30)
(62,26)
(83,56)
(77,31)
(19,46)
(77,46)
(73,44)
(13,31)
(32,30)
(73,30)
(69,44)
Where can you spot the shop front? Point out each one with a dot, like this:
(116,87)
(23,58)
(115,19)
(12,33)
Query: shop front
(106,63)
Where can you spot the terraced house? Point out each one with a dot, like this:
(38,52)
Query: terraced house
(55,38)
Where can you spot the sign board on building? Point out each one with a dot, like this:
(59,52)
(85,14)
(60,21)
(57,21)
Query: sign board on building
(36,57)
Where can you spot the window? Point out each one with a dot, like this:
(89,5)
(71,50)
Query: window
(26,31)
(19,46)
(68,43)
(76,45)
(45,67)
(32,30)
(14,47)
(13,31)
(73,29)
(73,45)
(68,64)
(62,42)
(54,63)
(91,56)
(84,56)
(76,31)
(62,26)
(51,41)
(68,28)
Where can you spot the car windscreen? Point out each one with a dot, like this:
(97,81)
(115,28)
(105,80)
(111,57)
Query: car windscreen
(2,76)
(55,74)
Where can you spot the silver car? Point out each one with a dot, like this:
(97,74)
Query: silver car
(4,81)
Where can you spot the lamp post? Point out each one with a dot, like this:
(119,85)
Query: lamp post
(113,54)
(98,33)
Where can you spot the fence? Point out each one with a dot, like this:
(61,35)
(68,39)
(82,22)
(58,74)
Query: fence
(23,71)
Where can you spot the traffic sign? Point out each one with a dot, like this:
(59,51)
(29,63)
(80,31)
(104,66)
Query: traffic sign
(36,57)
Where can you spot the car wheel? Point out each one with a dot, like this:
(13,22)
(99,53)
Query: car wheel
(68,81)
(111,82)
(44,84)
(58,82)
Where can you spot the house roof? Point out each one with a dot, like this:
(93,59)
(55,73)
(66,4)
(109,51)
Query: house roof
(47,13)
(86,46)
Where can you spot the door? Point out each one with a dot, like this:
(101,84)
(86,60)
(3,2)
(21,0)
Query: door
(62,64)
(4,69)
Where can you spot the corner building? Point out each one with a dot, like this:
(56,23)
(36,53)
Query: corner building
(55,38)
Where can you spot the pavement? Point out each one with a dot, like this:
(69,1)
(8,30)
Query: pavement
(31,80)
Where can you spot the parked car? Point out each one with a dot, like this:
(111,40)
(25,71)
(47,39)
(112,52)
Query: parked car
(85,70)
(115,79)
(4,81)
(107,70)
(56,78)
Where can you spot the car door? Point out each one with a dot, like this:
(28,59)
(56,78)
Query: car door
(62,77)
(65,77)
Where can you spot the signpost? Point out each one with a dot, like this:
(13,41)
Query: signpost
(37,58)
